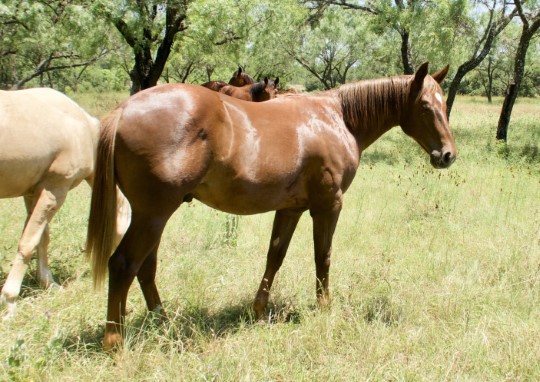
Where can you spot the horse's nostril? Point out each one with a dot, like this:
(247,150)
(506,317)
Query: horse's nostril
(447,158)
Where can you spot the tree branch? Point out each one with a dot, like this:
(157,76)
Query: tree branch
(124,30)
(44,66)
(521,14)
(345,4)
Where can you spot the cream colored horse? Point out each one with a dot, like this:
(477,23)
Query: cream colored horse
(47,147)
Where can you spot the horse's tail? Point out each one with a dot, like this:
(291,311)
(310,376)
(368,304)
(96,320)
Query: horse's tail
(103,209)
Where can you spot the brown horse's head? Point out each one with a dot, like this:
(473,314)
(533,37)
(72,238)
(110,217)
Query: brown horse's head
(240,78)
(426,119)
(264,90)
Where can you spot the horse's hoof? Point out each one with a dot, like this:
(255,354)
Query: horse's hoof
(112,342)
(261,317)
(10,307)
(54,286)
(47,282)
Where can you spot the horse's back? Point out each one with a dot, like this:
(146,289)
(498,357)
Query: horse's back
(237,156)
(43,134)
(242,93)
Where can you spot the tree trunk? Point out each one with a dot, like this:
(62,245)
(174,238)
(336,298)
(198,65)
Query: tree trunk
(141,74)
(453,89)
(489,90)
(527,33)
(408,67)
(489,86)
(146,70)
(508,104)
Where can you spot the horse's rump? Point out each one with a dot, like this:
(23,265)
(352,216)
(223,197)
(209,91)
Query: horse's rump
(43,131)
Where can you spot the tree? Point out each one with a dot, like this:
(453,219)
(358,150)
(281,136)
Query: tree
(488,79)
(495,25)
(149,28)
(329,51)
(530,19)
(226,34)
(494,74)
(399,17)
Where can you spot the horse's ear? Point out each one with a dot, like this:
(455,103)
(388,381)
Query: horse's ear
(276,81)
(266,80)
(441,74)
(239,73)
(420,74)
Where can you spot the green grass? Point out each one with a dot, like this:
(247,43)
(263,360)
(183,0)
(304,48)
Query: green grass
(435,277)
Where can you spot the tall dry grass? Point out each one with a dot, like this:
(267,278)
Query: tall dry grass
(435,277)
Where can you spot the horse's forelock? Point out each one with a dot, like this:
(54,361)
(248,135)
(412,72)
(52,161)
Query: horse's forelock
(371,102)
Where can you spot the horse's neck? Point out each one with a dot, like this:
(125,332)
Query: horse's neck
(371,108)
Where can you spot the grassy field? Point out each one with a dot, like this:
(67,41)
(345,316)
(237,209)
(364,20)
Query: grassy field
(435,277)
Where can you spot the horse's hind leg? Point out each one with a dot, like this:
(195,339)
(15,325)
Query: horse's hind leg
(147,280)
(285,223)
(324,225)
(138,246)
(46,205)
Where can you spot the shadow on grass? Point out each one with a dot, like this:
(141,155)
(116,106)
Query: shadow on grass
(185,329)
(89,341)
(63,274)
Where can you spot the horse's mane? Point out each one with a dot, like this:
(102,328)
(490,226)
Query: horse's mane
(370,102)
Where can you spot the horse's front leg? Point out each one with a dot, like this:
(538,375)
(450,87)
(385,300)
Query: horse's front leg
(285,223)
(40,213)
(324,225)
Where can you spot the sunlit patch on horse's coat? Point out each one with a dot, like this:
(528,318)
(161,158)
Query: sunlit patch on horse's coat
(439,99)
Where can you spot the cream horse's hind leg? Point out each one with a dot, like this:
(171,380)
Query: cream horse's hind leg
(46,205)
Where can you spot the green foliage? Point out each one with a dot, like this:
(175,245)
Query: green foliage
(230,237)
(37,37)
(224,35)
(267,38)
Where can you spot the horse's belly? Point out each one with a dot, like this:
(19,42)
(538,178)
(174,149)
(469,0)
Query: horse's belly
(21,174)
(17,180)
(249,199)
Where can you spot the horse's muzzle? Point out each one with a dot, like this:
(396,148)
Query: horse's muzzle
(442,159)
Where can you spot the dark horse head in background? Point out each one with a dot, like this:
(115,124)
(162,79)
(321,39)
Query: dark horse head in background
(238,79)
(241,78)
(257,92)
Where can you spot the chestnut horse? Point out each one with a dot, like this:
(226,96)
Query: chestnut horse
(257,92)
(238,79)
(170,144)
(47,146)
